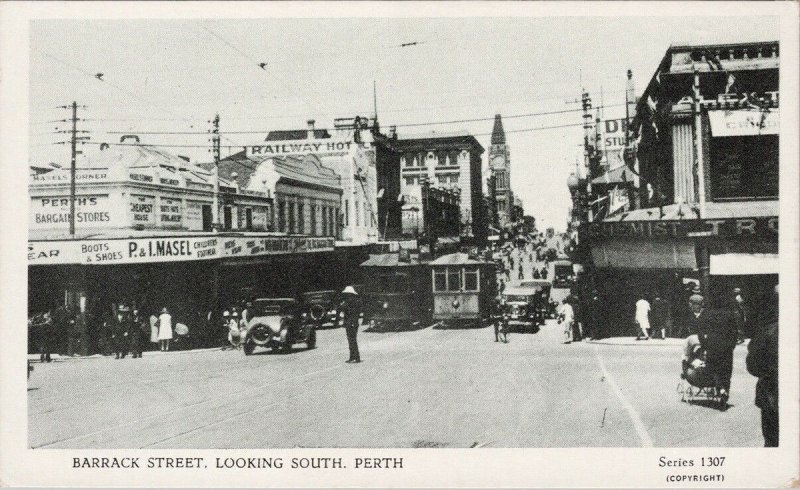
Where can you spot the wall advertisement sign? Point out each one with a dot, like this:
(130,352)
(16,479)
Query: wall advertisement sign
(52,212)
(170,212)
(744,122)
(171,249)
(62,175)
(141,210)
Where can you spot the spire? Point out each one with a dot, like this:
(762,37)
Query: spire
(498,135)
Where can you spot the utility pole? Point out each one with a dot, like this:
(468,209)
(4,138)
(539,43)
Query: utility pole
(74,138)
(215,225)
(588,149)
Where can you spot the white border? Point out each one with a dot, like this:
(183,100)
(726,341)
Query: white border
(429,468)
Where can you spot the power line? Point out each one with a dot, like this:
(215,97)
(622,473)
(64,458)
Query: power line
(525,130)
(429,123)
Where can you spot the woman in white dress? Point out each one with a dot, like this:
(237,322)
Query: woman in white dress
(164,329)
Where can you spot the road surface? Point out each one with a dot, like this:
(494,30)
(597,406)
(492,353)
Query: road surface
(428,387)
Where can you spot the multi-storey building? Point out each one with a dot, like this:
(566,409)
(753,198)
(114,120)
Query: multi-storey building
(450,161)
(350,153)
(707,127)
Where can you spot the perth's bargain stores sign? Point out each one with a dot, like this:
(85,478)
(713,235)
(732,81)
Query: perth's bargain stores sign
(173,249)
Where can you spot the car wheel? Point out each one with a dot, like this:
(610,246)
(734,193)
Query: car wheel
(286,348)
(248,348)
(312,339)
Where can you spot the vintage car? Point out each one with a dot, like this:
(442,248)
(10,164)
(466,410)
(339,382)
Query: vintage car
(525,306)
(320,306)
(278,323)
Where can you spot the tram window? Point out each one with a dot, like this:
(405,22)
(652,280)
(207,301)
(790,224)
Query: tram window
(470,280)
(440,280)
(454,279)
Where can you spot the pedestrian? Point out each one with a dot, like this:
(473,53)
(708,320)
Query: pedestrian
(662,317)
(742,315)
(598,316)
(521,275)
(138,326)
(642,317)
(350,309)
(566,317)
(57,320)
(544,272)
(120,328)
(502,286)
(497,315)
(508,274)
(164,329)
(535,273)
(153,329)
(234,329)
(762,362)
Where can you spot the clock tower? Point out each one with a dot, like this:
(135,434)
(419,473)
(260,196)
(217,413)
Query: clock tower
(500,166)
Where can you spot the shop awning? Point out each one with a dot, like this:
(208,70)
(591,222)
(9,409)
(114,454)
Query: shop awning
(642,254)
(744,264)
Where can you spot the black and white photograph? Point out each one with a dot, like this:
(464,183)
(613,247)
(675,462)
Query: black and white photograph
(404,233)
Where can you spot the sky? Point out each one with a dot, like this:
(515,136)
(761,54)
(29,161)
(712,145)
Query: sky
(174,75)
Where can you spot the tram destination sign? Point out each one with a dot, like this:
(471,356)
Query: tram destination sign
(758,228)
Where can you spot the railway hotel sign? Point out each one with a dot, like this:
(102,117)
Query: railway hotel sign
(278,148)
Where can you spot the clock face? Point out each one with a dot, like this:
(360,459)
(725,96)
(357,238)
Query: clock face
(498,161)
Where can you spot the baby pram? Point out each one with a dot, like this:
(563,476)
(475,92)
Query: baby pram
(698,380)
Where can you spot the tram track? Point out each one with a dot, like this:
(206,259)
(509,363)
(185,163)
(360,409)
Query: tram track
(219,401)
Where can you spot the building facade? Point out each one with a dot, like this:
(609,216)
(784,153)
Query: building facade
(705,146)
(448,162)
(500,167)
(307,195)
(349,152)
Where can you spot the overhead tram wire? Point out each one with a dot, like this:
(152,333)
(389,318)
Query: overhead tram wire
(429,123)
(122,90)
(525,130)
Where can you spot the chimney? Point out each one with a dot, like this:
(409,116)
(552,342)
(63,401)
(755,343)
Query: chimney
(310,129)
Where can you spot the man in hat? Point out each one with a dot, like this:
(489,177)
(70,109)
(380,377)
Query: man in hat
(120,329)
(717,336)
(762,362)
(137,326)
(742,315)
(350,309)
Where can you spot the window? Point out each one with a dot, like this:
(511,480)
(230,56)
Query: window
(471,280)
(332,220)
(358,215)
(281,215)
(409,180)
(744,167)
(440,280)
(301,218)
(453,279)
(291,218)
(248,218)
(346,212)
(313,209)
(324,220)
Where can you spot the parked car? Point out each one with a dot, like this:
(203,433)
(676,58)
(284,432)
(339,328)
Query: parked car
(320,306)
(524,306)
(278,323)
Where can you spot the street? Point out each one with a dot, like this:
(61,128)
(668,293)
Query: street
(429,387)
